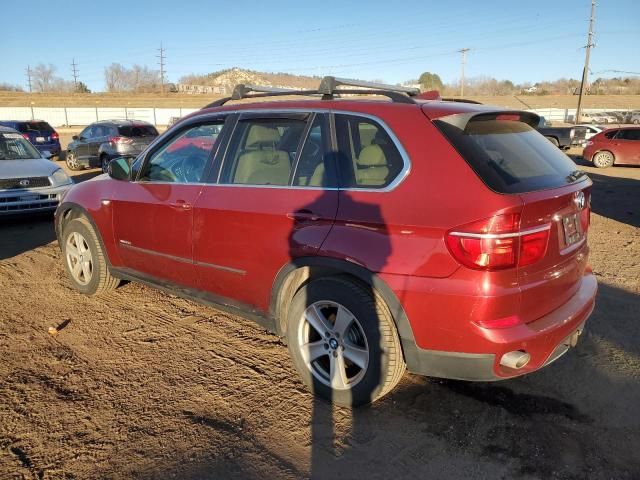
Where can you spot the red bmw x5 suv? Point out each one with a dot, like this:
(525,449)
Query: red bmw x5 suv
(446,238)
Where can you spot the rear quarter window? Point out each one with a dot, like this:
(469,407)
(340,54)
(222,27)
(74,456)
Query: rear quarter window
(510,156)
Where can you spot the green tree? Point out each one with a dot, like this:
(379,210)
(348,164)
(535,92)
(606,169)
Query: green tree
(430,81)
(82,88)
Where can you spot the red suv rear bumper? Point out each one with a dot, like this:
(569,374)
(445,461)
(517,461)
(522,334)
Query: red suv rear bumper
(545,339)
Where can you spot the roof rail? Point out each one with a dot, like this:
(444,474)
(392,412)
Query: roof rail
(460,100)
(328,89)
(328,86)
(241,90)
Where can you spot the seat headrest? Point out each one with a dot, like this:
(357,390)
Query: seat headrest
(260,134)
(372,156)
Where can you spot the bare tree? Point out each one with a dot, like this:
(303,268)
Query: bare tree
(43,77)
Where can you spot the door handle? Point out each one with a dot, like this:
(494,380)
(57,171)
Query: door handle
(303,215)
(180,205)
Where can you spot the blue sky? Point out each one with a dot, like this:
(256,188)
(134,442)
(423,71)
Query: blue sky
(392,41)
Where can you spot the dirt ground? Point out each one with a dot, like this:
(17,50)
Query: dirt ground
(141,384)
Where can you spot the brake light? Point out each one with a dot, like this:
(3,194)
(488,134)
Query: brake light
(26,135)
(55,136)
(121,140)
(505,322)
(497,243)
(508,116)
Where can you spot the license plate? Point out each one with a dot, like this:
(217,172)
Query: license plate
(572,230)
(40,139)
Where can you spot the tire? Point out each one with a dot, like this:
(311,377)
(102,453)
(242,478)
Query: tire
(554,141)
(104,162)
(368,334)
(72,161)
(80,240)
(636,121)
(603,159)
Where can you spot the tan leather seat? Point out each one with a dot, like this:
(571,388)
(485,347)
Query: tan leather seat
(373,169)
(261,163)
(317,179)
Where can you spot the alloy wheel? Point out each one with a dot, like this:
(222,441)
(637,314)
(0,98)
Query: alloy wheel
(72,162)
(79,258)
(333,345)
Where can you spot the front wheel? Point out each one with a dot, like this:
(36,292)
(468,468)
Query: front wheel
(84,258)
(343,342)
(554,141)
(603,159)
(72,161)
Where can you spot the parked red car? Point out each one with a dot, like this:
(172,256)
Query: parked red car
(616,146)
(448,237)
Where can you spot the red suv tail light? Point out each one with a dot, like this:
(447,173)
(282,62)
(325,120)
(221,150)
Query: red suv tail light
(497,243)
(26,136)
(121,140)
(55,136)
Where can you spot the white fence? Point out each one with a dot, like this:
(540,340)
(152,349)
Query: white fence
(59,116)
(160,116)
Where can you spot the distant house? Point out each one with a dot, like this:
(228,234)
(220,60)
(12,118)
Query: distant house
(532,89)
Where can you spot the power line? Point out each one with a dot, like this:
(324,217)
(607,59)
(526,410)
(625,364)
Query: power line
(28,74)
(463,60)
(585,71)
(161,62)
(74,70)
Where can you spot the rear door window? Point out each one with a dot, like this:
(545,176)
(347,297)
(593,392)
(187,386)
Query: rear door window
(263,151)
(367,156)
(510,156)
(314,167)
(629,134)
(611,134)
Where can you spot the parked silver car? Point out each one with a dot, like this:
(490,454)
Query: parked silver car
(29,181)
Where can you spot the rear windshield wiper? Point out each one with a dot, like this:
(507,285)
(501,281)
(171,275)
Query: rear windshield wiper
(575,175)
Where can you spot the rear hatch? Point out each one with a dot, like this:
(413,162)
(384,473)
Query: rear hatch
(512,158)
(39,133)
(138,136)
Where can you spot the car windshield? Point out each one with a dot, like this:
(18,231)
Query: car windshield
(13,146)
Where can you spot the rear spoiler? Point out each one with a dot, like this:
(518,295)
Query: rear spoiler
(461,120)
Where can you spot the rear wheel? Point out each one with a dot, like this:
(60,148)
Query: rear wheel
(343,342)
(104,162)
(636,121)
(603,159)
(72,161)
(84,258)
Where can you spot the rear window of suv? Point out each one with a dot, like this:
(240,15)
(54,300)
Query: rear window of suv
(137,131)
(41,127)
(510,156)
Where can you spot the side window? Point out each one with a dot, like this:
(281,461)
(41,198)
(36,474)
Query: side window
(629,135)
(263,151)
(611,134)
(313,169)
(87,132)
(183,158)
(367,157)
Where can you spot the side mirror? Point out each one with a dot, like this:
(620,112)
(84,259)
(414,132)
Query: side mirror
(46,154)
(75,137)
(120,168)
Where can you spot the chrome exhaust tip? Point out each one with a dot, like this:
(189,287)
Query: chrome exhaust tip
(516,359)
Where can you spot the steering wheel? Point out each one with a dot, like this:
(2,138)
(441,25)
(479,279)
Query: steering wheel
(192,167)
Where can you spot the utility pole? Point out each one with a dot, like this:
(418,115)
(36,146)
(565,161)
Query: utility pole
(29,77)
(463,61)
(585,72)
(74,70)
(161,62)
